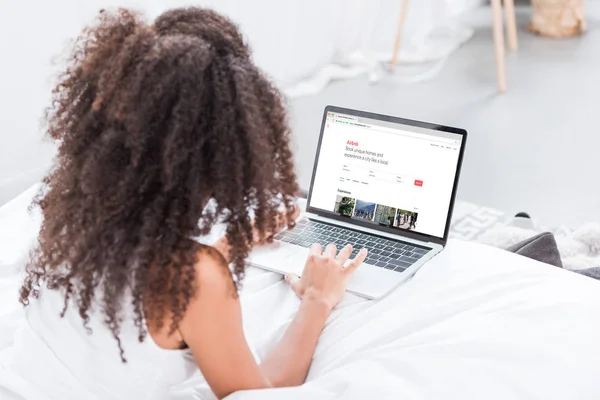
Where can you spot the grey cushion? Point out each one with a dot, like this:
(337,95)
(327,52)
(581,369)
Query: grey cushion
(540,247)
(591,272)
(543,248)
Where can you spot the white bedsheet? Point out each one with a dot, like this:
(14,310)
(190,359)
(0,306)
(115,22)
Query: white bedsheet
(476,322)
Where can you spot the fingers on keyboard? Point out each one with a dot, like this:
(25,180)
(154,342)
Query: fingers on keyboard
(382,253)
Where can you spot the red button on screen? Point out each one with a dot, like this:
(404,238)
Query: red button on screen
(418,182)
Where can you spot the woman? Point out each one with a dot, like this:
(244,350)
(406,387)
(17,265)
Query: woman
(152,122)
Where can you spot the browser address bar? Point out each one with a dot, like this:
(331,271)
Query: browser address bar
(412,135)
(433,139)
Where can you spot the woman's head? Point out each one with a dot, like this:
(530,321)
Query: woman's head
(152,121)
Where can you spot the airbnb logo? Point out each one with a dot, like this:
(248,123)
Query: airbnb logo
(352,143)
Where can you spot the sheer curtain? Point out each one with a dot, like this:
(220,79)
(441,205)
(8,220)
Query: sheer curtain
(304,44)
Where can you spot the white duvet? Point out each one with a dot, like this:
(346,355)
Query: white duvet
(474,323)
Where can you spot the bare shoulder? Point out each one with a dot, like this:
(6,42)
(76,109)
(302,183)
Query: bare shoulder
(212,272)
(215,293)
(215,301)
(214,287)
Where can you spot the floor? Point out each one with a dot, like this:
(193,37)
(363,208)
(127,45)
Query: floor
(534,148)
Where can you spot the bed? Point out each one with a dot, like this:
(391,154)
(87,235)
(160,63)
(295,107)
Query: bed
(475,322)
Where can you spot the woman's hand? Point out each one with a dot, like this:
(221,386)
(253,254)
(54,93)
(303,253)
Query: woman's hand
(325,276)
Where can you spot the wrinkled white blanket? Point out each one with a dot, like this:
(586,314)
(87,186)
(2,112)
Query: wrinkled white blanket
(475,322)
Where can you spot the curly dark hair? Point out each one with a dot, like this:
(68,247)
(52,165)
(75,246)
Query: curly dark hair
(153,121)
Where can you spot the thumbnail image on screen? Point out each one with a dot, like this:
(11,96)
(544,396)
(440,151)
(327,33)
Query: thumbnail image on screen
(364,210)
(344,205)
(406,219)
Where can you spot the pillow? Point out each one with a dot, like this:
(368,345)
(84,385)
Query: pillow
(540,247)
(543,248)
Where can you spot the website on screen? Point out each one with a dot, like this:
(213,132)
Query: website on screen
(385,173)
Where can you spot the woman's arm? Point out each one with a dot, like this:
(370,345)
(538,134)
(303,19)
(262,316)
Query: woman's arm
(287,364)
(212,326)
(321,288)
(212,329)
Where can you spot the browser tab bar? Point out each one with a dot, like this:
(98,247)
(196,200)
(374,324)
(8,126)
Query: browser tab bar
(347,117)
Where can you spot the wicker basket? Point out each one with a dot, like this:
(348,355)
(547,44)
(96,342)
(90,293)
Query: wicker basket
(558,18)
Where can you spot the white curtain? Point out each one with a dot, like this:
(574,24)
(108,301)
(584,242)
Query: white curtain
(303,44)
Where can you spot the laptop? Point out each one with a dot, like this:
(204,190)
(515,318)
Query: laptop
(380,182)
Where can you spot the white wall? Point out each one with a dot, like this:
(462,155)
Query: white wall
(31,34)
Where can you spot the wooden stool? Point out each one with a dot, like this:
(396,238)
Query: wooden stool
(511,27)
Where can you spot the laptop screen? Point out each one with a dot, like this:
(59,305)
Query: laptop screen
(386,173)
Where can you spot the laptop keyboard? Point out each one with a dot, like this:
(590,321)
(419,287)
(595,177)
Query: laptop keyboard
(383,252)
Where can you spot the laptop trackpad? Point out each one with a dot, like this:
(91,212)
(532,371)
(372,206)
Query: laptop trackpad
(373,282)
(271,256)
(368,280)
